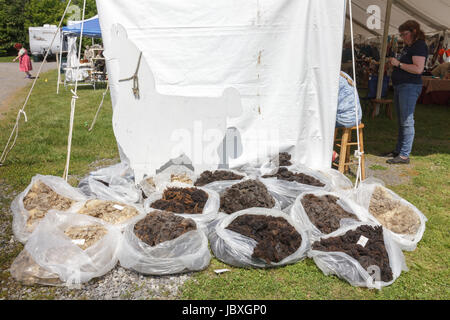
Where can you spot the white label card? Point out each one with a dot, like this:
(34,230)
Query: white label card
(118,207)
(362,241)
(79,242)
(219,271)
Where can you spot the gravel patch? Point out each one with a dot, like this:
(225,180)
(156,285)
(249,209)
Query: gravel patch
(118,284)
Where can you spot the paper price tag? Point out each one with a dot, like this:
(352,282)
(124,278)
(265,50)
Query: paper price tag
(79,242)
(362,241)
(118,207)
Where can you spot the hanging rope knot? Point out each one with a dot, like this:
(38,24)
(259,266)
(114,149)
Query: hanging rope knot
(358,154)
(74,95)
(24,115)
(135,79)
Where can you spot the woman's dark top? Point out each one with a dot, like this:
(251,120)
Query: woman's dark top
(399,76)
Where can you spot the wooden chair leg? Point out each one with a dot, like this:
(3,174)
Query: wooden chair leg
(347,155)
(363,157)
(389,106)
(343,152)
(373,107)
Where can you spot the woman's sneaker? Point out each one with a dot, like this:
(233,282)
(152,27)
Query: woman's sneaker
(398,160)
(390,154)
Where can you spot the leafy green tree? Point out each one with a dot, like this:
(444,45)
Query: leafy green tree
(16,16)
(91,7)
(40,12)
(12,27)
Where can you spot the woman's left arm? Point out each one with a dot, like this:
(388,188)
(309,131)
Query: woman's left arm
(416,67)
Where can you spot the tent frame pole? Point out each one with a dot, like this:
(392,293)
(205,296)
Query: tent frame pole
(384,48)
(59,60)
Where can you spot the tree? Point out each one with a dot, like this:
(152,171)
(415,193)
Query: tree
(16,16)
(91,7)
(40,12)
(12,28)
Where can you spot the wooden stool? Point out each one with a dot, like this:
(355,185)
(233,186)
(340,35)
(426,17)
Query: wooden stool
(386,103)
(345,145)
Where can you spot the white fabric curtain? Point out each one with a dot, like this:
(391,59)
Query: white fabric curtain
(282,56)
(72,62)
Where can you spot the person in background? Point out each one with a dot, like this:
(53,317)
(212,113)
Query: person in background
(347,64)
(374,52)
(407,81)
(24,60)
(346,113)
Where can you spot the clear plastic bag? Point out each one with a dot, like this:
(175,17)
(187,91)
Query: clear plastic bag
(28,272)
(213,184)
(221,186)
(349,269)
(147,186)
(407,242)
(287,191)
(57,253)
(300,216)
(121,225)
(174,176)
(114,183)
(23,224)
(236,249)
(210,210)
(338,181)
(188,252)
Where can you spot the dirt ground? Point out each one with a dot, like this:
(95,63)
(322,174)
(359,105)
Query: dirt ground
(11,80)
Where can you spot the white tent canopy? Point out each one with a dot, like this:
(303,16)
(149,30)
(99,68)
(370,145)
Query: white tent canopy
(433,15)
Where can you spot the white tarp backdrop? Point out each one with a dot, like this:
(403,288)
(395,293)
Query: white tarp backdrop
(264,71)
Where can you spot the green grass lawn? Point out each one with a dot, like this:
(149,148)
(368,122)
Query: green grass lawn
(8,59)
(42,146)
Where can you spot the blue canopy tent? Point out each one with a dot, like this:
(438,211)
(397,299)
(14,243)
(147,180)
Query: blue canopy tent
(91,28)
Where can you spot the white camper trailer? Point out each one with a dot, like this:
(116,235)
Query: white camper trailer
(41,39)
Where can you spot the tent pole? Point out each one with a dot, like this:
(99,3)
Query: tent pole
(384,48)
(59,60)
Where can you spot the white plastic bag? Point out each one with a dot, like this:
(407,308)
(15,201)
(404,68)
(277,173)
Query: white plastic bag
(210,210)
(243,174)
(115,183)
(338,181)
(118,206)
(174,176)
(21,229)
(236,249)
(27,271)
(406,242)
(147,186)
(349,269)
(300,216)
(54,251)
(188,252)
(287,191)
(221,186)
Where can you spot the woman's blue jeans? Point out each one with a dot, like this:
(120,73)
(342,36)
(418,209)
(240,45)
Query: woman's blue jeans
(406,96)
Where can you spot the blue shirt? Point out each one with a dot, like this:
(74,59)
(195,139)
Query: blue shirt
(399,76)
(345,116)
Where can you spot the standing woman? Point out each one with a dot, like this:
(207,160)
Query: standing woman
(407,81)
(24,60)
